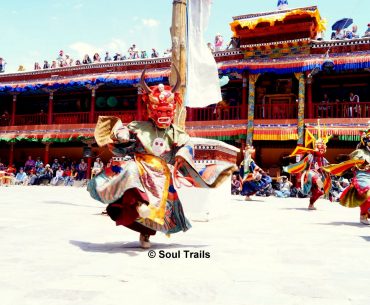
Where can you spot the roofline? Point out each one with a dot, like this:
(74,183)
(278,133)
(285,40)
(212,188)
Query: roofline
(308,8)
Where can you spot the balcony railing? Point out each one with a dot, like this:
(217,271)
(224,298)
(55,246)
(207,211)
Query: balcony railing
(214,113)
(271,111)
(126,116)
(276,111)
(31,119)
(71,118)
(341,110)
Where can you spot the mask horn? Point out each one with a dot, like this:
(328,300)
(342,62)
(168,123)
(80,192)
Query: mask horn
(143,83)
(178,80)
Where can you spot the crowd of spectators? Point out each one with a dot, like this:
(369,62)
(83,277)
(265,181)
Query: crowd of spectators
(64,60)
(282,187)
(341,34)
(62,171)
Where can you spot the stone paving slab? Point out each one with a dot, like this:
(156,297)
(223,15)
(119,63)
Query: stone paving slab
(57,248)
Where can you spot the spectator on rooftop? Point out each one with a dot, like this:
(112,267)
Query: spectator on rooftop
(143,55)
(154,54)
(78,62)
(37,66)
(21,68)
(2,64)
(117,57)
(133,52)
(46,65)
(86,60)
(96,58)
(352,34)
(234,43)
(53,64)
(61,58)
(339,34)
(210,47)
(219,40)
(367,32)
(107,57)
(69,61)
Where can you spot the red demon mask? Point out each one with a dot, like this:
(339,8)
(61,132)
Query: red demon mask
(161,101)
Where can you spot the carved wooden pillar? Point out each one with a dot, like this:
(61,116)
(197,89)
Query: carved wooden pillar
(46,152)
(301,99)
(244,97)
(93,89)
(92,106)
(251,100)
(309,97)
(139,114)
(11,154)
(14,108)
(50,108)
(89,162)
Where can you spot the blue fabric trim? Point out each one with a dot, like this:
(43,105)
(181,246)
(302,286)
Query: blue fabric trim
(99,80)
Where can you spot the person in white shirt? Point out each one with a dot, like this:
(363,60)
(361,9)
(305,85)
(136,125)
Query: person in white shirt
(58,176)
(98,167)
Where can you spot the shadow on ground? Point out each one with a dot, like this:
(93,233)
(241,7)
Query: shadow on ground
(367,238)
(345,223)
(67,203)
(300,209)
(130,248)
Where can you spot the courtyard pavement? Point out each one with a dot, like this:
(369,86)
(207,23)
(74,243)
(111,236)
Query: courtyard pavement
(57,248)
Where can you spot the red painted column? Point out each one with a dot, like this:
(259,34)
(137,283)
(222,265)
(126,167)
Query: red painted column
(50,108)
(309,98)
(92,106)
(244,97)
(89,162)
(11,154)
(46,153)
(14,108)
(139,114)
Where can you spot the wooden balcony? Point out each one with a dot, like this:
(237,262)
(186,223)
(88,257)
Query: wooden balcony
(276,111)
(31,119)
(68,118)
(71,118)
(214,113)
(125,116)
(341,110)
(262,111)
